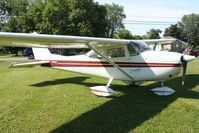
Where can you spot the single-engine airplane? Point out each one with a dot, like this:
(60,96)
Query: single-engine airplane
(131,61)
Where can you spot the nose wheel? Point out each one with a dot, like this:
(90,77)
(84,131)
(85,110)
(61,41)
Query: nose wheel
(163,90)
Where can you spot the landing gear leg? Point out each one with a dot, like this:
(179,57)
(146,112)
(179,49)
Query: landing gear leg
(109,82)
(161,83)
(162,90)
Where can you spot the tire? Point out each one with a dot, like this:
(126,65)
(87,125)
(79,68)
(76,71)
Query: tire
(31,56)
(131,83)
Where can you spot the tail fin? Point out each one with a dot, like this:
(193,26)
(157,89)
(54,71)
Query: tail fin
(41,53)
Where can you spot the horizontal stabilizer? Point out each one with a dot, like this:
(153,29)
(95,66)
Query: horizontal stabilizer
(29,64)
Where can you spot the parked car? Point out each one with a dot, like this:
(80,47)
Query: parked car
(194,53)
(28,52)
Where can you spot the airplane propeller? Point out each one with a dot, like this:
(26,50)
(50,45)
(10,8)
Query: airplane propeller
(185,59)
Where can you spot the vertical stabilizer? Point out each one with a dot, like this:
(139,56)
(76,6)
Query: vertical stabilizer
(41,53)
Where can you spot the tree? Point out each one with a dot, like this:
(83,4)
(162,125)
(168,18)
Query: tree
(73,17)
(66,17)
(123,34)
(153,34)
(190,26)
(137,37)
(13,15)
(115,15)
(126,34)
(34,16)
(54,17)
(14,50)
(176,32)
(15,18)
(87,18)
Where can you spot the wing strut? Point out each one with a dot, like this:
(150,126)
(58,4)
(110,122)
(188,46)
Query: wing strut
(107,59)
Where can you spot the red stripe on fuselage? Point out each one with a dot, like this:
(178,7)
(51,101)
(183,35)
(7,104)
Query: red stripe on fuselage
(106,64)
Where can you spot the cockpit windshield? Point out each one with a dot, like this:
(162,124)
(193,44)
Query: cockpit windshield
(140,46)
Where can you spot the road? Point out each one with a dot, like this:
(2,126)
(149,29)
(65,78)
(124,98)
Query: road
(14,59)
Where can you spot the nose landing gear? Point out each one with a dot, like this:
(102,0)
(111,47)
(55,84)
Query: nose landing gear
(163,90)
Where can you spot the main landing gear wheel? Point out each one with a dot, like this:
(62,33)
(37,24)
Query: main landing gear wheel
(103,91)
(163,90)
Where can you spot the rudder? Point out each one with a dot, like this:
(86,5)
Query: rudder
(41,53)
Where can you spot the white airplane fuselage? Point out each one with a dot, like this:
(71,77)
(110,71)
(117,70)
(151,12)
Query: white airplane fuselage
(147,66)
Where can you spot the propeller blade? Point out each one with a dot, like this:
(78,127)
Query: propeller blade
(185,59)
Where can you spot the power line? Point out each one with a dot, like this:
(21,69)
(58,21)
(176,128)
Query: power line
(154,22)
(140,21)
(136,16)
(145,23)
(148,22)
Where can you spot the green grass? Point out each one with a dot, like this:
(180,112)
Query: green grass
(48,100)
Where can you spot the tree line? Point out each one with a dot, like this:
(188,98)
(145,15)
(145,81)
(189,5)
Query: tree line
(83,18)
(63,17)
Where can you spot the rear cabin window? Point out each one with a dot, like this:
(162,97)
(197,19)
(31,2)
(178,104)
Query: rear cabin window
(110,53)
(132,51)
(114,53)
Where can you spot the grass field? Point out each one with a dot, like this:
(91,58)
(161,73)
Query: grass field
(48,100)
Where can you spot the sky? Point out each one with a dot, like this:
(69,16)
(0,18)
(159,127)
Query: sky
(163,12)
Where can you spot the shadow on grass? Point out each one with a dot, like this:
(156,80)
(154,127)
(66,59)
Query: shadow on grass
(73,80)
(127,111)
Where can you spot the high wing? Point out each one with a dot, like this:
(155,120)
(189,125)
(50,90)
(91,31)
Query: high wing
(161,41)
(55,41)
(62,41)
(58,41)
